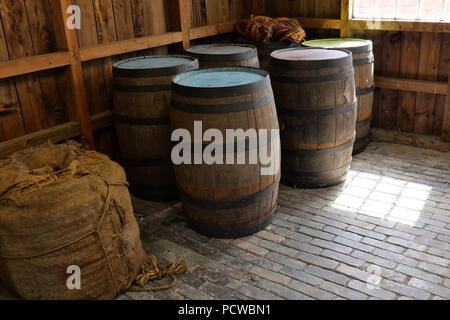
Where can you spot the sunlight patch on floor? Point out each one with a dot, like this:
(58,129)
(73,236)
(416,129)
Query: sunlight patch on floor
(383,197)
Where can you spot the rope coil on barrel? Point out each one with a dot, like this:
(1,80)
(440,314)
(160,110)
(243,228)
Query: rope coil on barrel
(265,29)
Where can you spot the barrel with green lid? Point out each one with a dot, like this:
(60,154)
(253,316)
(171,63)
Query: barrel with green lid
(363,61)
(232,199)
(315,95)
(142,91)
(226,55)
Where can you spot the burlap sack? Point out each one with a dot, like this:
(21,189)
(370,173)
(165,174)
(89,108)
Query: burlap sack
(61,206)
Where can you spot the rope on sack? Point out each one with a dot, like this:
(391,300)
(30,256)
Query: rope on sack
(151,271)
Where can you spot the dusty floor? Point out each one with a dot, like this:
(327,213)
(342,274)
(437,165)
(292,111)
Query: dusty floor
(384,234)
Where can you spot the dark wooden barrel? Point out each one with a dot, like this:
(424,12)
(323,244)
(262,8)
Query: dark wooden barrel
(316,102)
(228,200)
(142,91)
(363,61)
(226,55)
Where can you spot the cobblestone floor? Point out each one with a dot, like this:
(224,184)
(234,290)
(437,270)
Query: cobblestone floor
(391,218)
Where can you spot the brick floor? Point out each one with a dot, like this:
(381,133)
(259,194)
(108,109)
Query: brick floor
(383,234)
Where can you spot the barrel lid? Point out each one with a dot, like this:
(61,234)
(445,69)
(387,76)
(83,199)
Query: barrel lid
(155,65)
(309,54)
(228,51)
(299,58)
(220,82)
(352,44)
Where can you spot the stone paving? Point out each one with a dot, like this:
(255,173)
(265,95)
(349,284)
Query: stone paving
(383,234)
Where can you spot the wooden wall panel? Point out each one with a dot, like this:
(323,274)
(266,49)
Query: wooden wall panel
(428,70)
(409,67)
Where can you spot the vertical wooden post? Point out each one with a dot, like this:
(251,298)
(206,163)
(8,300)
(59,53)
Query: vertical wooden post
(68,40)
(185,25)
(446,123)
(345,16)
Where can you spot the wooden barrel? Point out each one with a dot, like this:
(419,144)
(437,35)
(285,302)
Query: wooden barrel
(363,63)
(142,91)
(228,200)
(266,49)
(226,55)
(316,102)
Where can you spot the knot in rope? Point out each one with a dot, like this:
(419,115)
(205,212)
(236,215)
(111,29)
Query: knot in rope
(151,272)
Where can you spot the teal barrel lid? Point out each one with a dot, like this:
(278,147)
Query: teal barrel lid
(310,58)
(352,44)
(221,82)
(226,51)
(306,54)
(220,77)
(158,65)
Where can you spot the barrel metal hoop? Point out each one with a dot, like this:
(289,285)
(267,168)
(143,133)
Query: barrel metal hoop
(229,204)
(133,163)
(362,140)
(251,54)
(358,62)
(363,123)
(142,121)
(294,173)
(333,77)
(269,138)
(363,91)
(303,153)
(317,113)
(223,108)
(233,231)
(128,88)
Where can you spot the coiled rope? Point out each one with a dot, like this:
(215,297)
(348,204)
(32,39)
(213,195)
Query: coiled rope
(265,29)
(151,272)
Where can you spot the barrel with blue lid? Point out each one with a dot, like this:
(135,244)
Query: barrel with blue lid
(227,200)
(226,55)
(142,91)
(316,102)
(363,62)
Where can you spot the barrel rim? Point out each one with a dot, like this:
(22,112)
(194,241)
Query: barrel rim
(300,64)
(249,54)
(364,48)
(191,63)
(221,92)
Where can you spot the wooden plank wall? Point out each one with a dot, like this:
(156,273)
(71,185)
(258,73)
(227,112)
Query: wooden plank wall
(330,9)
(408,55)
(36,101)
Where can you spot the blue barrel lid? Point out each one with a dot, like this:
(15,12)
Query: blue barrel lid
(220,77)
(158,65)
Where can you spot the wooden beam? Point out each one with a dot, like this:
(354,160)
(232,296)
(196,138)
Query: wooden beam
(185,14)
(345,16)
(127,46)
(77,77)
(417,140)
(319,23)
(212,30)
(26,65)
(56,134)
(425,86)
(400,25)
(446,122)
